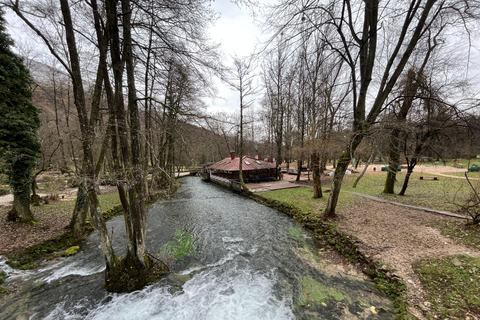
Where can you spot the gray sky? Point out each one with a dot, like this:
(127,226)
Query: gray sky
(234,30)
(238,35)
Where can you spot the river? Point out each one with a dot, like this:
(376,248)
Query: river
(250,262)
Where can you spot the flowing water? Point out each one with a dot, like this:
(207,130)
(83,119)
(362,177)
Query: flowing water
(250,262)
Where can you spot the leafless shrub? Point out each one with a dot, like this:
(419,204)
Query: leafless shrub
(470,204)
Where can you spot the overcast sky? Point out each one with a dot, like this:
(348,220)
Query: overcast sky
(237,34)
(234,30)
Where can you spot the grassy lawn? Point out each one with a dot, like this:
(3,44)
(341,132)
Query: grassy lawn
(302,198)
(437,194)
(450,283)
(107,201)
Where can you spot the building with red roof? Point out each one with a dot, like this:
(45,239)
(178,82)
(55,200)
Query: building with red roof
(254,170)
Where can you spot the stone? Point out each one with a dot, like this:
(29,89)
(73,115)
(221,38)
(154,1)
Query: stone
(456,262)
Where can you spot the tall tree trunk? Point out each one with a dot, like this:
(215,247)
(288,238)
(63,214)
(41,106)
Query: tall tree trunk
(136,192)
(80,212)
(21,204)
(407,177)
(317,182)
(299,169)
(393,162)
(123,156)
(412,84)
(340,170)
(88,136)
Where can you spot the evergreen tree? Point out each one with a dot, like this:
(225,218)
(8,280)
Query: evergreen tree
(19,121)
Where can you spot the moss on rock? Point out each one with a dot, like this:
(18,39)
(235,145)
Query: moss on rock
(128,276)
(71,251)
(314,293)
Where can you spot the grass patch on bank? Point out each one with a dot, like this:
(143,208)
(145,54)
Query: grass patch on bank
(301,198)
(25,259)
(466,233)
(436,194)
(56,246)
(452,284)
(107,202)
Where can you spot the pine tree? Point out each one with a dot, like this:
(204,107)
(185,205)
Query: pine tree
(19,121)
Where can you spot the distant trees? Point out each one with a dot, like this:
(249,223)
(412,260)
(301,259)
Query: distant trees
(19,122)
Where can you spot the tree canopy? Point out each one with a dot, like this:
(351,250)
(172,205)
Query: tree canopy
(19,143)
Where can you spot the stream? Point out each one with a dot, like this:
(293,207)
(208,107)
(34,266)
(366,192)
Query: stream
(250,262)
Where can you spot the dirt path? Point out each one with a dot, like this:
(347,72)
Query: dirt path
(400,236)
(456,177)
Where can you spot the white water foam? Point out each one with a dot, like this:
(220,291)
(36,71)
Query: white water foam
(215,294)
(74,269)
(9,271)
(231,240)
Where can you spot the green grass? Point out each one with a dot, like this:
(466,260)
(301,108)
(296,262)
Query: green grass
(107,201)
(427,193)
(301,198)
(452,284)
(54,208)
(440,194)
(182,246)
(467,234)
(26,258)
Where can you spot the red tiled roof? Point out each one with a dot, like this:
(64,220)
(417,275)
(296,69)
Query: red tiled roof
(249,163)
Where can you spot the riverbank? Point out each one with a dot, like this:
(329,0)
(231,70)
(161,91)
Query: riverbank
(386,242)
(250,262)
(401,248)
(52,219)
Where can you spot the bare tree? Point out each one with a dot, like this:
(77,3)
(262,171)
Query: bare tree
(242,81)
(359,40)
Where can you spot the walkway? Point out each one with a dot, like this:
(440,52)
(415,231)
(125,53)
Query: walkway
(456,177)
(272,185)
